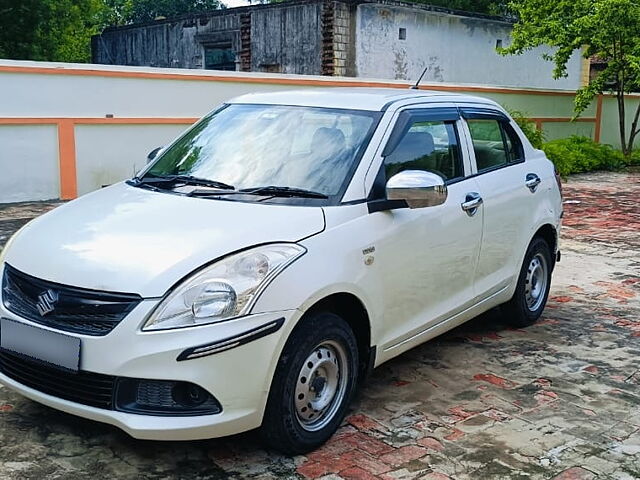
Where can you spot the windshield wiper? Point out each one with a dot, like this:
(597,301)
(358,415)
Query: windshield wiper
(181,179)
(275,191)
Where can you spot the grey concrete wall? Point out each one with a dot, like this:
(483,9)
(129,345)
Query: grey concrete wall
(287,39)
(455,49)
(284,39)
(339,38)
(173,44)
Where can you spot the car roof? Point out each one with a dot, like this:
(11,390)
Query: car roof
(354,98)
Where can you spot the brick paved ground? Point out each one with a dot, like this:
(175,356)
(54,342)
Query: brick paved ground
(557,400)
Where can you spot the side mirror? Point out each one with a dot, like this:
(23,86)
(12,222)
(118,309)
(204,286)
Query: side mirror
(417,188)
(153,154)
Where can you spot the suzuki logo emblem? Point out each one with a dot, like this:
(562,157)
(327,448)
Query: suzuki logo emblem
(47,302)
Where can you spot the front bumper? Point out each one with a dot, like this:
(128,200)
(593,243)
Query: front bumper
(239,378)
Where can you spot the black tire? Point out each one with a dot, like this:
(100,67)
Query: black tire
(283,427)
(521,311)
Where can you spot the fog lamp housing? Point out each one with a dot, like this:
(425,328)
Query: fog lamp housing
(164,398)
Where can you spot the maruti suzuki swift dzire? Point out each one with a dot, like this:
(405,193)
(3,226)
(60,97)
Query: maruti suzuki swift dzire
(265,261)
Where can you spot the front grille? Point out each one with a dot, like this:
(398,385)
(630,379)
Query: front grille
(93,389)
(134,395)
(75,310)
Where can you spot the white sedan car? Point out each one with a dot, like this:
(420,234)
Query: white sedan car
(271,256)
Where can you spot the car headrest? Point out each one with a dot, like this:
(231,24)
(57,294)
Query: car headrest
(327,139)
(414,145)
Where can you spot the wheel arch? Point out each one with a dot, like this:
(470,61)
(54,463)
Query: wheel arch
(550,235)
(353,311)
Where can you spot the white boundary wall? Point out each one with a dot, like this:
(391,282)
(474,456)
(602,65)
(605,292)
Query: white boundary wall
(68,129)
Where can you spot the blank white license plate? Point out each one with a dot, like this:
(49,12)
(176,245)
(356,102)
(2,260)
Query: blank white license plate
(51,347)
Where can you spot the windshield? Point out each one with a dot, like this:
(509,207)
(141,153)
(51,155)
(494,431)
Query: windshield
(253,146)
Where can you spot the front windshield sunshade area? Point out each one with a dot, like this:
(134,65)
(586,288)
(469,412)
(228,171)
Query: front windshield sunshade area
(252,146)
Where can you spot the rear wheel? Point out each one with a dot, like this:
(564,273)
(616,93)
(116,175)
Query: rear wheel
(532,290)
(313,384)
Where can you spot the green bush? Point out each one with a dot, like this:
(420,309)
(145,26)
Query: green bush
(575,154)
(528,127)
(581,154)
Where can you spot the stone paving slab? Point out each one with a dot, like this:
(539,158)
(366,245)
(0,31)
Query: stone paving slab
(559,400)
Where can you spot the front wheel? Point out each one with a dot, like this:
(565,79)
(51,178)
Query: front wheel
(313,384)
(532,290)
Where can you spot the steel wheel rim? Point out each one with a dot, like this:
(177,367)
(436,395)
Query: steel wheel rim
(536,282)
(321,385)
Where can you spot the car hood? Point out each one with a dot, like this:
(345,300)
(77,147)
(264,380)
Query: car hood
(132,240)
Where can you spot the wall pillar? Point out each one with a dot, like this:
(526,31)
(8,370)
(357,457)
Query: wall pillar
(327,61)
(598,127)
(245,42)
(67,159)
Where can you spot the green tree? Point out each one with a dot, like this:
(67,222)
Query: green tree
(528,127)
(148,10)
(608,29)
(116,12)
(489,7)
(64,34)
(17,32)
(56,30)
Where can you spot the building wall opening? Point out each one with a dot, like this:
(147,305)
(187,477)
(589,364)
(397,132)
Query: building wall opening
(219,57)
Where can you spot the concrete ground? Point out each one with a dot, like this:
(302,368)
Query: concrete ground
(556,400)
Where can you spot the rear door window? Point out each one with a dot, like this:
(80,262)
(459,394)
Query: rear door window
(495,142)
(488,143)
(515,151)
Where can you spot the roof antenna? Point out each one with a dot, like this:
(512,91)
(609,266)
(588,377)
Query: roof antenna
(415,87)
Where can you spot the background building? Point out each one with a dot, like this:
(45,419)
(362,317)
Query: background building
(356,38)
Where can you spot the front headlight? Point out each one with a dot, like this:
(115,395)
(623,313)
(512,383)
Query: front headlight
(223,290)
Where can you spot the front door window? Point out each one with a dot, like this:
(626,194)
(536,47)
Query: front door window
(431,146)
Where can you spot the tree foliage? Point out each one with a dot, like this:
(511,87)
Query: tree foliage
(607,29)
(58,30)
(17,34)
(489,7)
(528,127)
(122,12)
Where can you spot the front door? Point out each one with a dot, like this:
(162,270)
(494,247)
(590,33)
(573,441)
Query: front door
(428,255)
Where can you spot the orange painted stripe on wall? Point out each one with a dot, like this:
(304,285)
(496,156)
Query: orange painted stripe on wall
(563,119)
(184,120)
(98,120)
(135,121)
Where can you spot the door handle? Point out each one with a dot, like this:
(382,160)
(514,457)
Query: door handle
(532,181)
(471,203)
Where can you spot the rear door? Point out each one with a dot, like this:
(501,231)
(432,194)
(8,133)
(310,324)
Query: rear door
(508,203)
